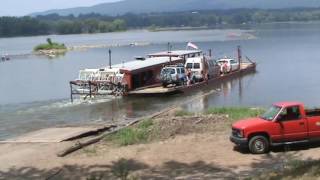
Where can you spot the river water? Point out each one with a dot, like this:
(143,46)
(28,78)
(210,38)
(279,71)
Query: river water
(34,90)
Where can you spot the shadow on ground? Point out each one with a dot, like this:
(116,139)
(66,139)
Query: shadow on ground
(283,148)
(282,162)
(131,169)
(123,169)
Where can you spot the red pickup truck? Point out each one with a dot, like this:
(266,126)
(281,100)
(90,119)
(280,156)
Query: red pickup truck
(284,123)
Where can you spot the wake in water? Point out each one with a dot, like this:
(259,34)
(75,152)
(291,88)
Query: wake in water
(62,104)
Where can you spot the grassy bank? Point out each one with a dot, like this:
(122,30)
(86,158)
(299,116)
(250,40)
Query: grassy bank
(236,113)
(233,113)
(133,135)
(181,123)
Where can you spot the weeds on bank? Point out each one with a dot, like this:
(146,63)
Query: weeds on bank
(133,135)
(182,113)
(147,130)
(236,113)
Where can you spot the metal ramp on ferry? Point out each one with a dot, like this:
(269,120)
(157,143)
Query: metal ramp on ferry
(153,91)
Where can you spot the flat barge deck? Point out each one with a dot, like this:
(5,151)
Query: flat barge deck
(158,89)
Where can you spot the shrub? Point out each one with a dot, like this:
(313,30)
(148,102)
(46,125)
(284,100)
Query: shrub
(133,135)
(49,46)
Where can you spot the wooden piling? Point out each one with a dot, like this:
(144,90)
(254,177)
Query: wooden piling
(90,90)
(71,92)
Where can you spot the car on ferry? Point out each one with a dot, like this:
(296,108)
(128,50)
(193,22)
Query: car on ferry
(228,65)
(202,65)
(173,74)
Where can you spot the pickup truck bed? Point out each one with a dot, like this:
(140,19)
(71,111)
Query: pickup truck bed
(312,112)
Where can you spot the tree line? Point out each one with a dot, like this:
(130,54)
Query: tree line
(30,26)
(219,18)
(96,23)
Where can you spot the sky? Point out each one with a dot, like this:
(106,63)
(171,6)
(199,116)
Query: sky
(25,7)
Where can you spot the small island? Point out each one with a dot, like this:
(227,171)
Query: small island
(50,49)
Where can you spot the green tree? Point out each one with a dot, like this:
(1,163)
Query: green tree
(49,41)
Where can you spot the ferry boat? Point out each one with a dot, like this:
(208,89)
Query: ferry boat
(142,75)
(120,79)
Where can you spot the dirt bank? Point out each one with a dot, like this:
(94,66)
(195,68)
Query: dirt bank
(192,147)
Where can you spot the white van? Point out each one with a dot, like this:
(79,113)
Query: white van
(201,65)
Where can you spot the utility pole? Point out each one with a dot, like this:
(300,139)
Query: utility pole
(110,59)
(169,51)
(239,57)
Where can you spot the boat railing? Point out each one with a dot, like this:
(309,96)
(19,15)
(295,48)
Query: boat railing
(96,76)
(85,75)
(98,82)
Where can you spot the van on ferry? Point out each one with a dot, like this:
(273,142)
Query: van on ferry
(202,65)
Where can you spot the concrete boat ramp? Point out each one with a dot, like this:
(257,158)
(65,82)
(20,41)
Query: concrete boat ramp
(58,134)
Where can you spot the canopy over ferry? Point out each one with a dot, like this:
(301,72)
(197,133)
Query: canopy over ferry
(178,53)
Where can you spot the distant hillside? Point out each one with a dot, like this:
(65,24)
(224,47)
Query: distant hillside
(96,23)
(147,6)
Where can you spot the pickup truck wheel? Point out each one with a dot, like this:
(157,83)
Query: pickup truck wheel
(258,145)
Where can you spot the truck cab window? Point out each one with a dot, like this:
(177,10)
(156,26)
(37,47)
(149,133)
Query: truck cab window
(290,113)
(270,114)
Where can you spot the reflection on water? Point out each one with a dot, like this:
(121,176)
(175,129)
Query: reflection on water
(34,91)
(222,91)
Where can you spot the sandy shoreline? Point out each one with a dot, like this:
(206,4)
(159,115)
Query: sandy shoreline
(195,147)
